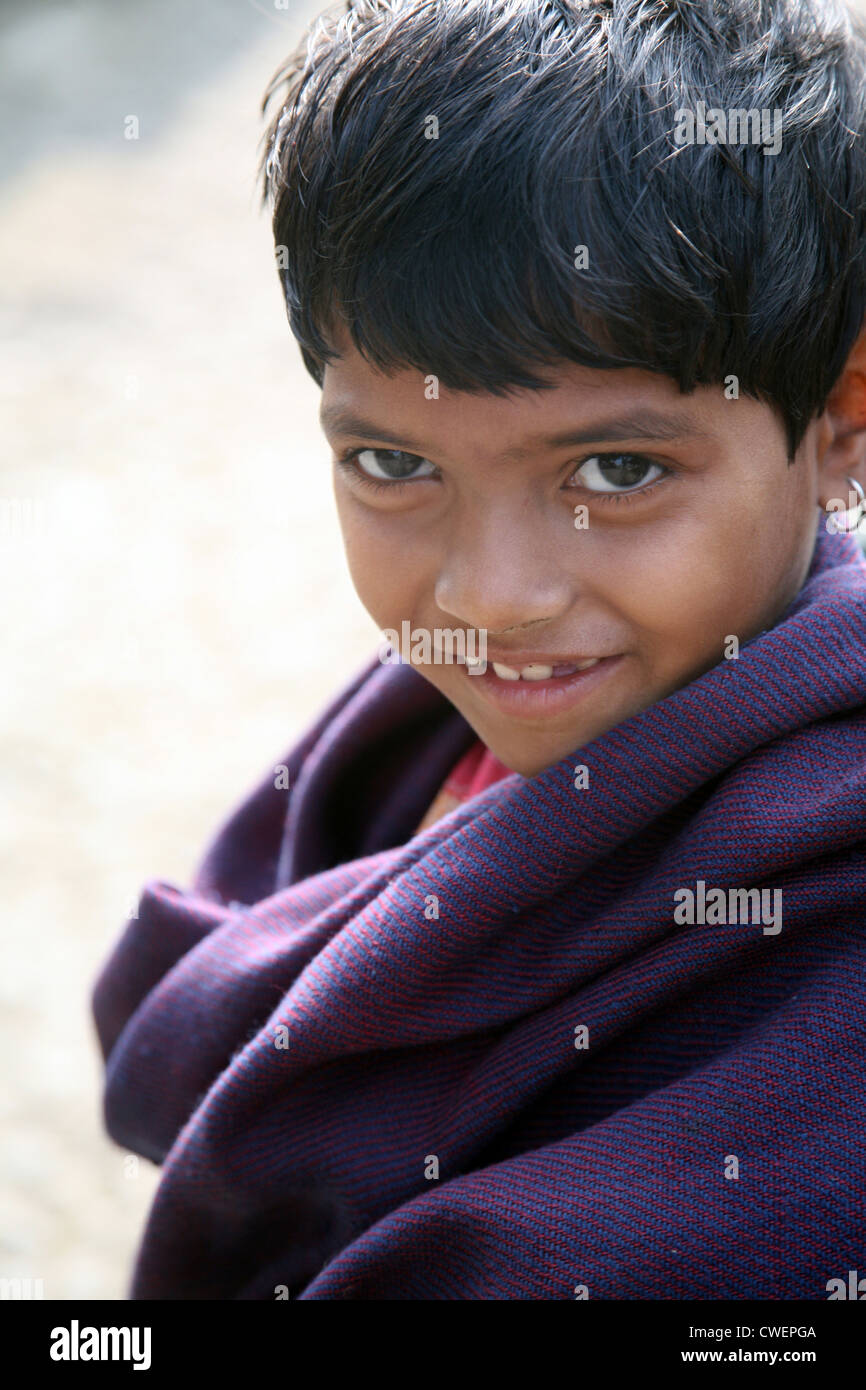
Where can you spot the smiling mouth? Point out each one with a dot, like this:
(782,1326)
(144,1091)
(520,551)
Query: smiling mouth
(535,670)
(539,690)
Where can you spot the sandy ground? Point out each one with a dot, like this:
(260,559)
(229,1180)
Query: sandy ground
(176,605)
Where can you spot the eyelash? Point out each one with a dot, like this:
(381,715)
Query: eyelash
(635,492)
(347,461)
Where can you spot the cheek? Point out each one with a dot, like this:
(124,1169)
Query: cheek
(387,570)
(684,591)
(706,583)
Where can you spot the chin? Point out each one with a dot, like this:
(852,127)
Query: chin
(528,762)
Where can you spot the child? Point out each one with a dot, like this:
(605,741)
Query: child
(540,975)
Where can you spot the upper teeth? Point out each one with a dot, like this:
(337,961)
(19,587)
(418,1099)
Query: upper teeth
(535,671)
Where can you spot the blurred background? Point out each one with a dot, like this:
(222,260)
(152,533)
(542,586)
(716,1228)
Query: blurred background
(176,606)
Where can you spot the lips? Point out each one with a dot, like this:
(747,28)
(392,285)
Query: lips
(536,690)
(532,667)
(542,671)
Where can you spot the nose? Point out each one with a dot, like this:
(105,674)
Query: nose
(504,567)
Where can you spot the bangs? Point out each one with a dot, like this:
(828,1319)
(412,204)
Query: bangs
(482,190)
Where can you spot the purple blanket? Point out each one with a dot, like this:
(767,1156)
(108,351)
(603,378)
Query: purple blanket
(548,1049)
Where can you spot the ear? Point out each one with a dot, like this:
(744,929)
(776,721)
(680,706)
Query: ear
(842,432)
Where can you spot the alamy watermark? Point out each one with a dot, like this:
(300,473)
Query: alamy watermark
(698,126)
(851,1287)
(19,1289)
(77,1343)
(716,907)
(837,508)
(438,646)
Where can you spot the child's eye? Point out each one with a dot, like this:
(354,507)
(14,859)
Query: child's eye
(391,465)
(617,472)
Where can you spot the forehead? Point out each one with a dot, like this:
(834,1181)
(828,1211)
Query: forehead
(360,399)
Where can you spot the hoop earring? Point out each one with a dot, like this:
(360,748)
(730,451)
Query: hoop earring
(833,523)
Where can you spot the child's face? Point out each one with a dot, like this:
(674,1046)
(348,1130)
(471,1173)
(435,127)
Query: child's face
(710,537)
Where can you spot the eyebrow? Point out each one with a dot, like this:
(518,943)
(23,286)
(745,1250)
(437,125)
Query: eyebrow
(648,424)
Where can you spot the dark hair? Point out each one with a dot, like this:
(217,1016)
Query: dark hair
(556,129)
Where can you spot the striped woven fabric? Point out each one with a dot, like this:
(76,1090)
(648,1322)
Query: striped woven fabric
(498,1059)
